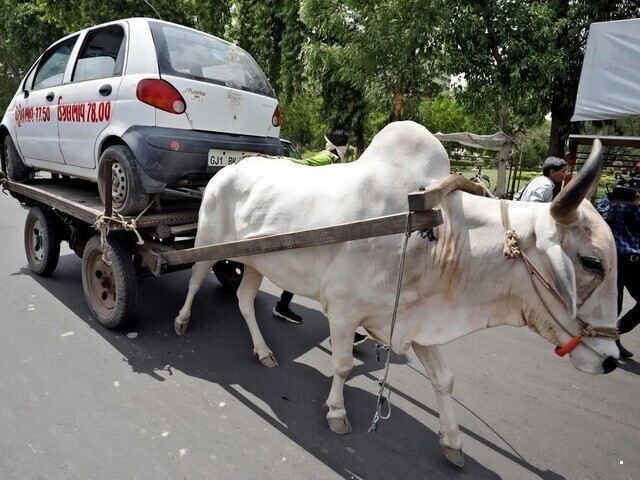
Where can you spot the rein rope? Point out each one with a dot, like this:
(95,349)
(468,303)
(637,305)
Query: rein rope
(383,383)
(512,250)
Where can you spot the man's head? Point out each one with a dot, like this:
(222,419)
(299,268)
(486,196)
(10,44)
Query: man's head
(555,168)
(337,140)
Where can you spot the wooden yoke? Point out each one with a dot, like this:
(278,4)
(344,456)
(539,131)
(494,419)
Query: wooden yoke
(429,197)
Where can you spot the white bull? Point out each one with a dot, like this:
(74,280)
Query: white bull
(454,286)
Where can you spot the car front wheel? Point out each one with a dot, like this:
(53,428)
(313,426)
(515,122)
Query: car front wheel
(127,195)
(229,274)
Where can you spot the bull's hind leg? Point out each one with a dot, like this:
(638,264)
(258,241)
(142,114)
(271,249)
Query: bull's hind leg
(342,359)
(247,291)
(198,274)
(442,381)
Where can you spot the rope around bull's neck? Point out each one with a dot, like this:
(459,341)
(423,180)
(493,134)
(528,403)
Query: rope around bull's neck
(383,383)
(512,250)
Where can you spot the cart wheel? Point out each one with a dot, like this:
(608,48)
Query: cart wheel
(127,194)
(229,274)
(111,290)
(41,241)
(16,169)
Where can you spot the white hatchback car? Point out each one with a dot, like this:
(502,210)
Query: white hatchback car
(166,104)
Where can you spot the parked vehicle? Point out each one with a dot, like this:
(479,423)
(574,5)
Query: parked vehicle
(166,105)
(290,149)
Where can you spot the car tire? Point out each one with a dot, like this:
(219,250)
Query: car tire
(16,169)
(111,290)
(41,241)
(229,274)
(127,194)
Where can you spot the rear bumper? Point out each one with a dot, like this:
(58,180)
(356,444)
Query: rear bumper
(169,156)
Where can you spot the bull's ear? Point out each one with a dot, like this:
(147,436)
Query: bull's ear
(563,272)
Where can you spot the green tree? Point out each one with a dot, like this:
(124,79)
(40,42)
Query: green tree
(502,47)
(385,46)
(303,121)
(533,145)
(271,31)
(444,114)
(74,15)
(24,34)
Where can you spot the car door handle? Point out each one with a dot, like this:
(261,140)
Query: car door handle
(50,96)
(105,90)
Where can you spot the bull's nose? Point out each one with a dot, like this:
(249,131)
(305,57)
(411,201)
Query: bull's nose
(610,364)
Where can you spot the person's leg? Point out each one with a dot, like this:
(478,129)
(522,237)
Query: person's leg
(632,318)
(629,277)
(283,310)
(359,338)
(286,298)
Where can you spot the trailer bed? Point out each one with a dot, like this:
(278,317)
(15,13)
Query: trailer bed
(81,200)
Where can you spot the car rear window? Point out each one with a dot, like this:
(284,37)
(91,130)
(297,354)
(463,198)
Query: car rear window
(190,54)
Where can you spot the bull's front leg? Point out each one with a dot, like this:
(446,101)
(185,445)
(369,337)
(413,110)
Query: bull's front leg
(247,291)
(442,381)
(342,359)
(199,272)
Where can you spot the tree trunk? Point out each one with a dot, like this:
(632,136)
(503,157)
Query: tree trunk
(503,160)
(398,106)
(561,127)
(505,152)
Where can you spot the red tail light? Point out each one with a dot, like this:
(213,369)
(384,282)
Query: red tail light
(161,94)
(276,120)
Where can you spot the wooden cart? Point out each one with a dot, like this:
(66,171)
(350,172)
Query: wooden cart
(159,241)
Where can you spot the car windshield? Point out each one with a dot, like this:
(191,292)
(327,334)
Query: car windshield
(187,53)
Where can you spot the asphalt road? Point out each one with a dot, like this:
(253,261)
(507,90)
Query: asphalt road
(80,401)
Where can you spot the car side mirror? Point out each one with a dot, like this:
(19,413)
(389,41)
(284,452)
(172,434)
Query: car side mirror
(26,93)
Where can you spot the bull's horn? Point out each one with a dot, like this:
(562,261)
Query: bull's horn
(564,206)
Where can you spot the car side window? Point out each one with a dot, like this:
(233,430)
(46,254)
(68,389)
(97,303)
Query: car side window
(102,54)
(51,68)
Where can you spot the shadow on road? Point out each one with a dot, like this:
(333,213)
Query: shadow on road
(217,348)
(629,365)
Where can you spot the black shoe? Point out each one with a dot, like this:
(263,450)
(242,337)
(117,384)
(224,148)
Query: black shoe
(358,338)
(284,312)
(624,353)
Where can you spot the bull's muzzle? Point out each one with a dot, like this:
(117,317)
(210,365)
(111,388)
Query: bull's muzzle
(610,364)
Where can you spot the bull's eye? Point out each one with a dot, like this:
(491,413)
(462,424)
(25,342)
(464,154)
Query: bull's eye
(592,264)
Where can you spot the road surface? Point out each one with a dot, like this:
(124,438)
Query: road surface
(80,401)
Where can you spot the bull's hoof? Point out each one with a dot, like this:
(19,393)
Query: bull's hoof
(269,361)
(339,425)
(180,327)
(454,456)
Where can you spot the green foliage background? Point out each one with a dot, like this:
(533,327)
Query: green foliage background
(359,64)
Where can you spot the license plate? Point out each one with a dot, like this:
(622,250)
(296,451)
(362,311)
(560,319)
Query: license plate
(222,158)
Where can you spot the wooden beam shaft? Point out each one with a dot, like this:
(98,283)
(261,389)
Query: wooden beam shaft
(374,227)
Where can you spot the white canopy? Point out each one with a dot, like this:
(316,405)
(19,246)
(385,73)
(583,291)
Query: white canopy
(610,79)
(495,141)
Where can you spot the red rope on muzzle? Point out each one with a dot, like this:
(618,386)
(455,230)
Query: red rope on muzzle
(568,348)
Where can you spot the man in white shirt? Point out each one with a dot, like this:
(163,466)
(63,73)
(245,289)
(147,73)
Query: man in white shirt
(540,189)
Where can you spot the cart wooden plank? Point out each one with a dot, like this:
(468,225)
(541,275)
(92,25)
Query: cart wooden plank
(375,227)
(81,200)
